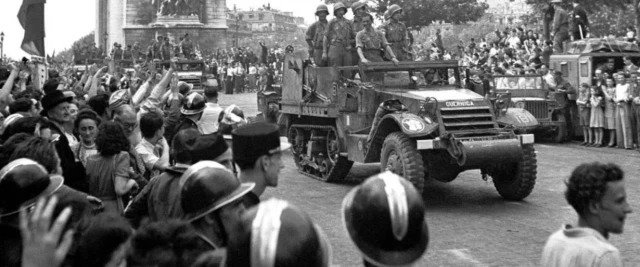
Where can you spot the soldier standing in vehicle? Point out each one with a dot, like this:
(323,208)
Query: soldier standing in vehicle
(166,49)
(156,48)
(359,9)
(560,27)
(396,32)
(315,35)
(369,42)
(187,47)
(337,39)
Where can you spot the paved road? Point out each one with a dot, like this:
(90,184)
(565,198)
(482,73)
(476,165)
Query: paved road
(470,225)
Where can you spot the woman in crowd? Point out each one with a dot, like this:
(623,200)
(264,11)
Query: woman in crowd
(86,126)
(609,111)
(597,114)
(108,171)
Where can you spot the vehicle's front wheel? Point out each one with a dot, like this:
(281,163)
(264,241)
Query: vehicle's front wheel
(516,181)
(401,156)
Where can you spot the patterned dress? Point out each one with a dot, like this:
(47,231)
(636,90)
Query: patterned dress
(597,112)
(610,109)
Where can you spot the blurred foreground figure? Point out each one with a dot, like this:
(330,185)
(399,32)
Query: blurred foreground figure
(596,191)
(384,217)
(276,233)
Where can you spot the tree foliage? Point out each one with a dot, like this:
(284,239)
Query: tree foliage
(419,13)
(67,54)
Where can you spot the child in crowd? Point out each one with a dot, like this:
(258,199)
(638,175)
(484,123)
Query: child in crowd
(597,114)
(584,108)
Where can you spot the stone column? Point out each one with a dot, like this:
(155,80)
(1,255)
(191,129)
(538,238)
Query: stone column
(101,22)
(216,14)
(116,22)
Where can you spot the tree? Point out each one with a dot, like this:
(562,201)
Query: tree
(67,54)
(420,13)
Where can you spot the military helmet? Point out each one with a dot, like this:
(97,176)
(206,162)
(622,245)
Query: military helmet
(276,233)
(339,5)
(386,15)
(357,5)
(393,9)
(322,8)
(193,104)
(384,217)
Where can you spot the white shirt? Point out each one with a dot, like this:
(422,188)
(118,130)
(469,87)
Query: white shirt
(208,123)
(253,70)
(622,92)
(577,247)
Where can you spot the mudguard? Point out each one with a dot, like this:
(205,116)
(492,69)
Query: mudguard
(518,118)
(410,124)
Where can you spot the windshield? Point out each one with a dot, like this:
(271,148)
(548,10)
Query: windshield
(424,78)
(518,83)
(190,66)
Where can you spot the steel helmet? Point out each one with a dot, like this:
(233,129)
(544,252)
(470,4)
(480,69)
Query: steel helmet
(339,5)
(277,233)
(393,9)
(193,104)
(384,217)
(119,98)
(357,5)
(322,8)
(386,15)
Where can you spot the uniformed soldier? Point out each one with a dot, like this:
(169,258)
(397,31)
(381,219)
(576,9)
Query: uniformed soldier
(560,26)
(166,49)
(396,33)
(369,42)
(127,53)
(156,47)
(385,220)
(315,35)
(337,39)
(116,52)
(187,47)
(359,9)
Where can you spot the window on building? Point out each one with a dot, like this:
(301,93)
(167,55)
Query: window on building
(251,16)
(261,16)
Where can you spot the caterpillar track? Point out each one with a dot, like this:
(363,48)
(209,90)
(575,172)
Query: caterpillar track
(316,152)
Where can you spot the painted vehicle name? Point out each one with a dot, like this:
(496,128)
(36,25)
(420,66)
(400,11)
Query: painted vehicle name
(459,104)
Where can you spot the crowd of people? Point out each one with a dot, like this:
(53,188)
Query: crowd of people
(149,173)
(139,170)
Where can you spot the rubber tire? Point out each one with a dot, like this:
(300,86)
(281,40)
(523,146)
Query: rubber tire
(340,170)
(405,147)
(561,133)
(517,181)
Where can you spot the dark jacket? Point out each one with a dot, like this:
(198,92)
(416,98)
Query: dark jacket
(73,171)
(159,200)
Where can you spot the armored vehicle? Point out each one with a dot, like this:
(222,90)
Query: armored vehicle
(531,93)
(190,71)
(430,128)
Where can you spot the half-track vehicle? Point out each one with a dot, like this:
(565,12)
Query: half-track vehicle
(531,93)
(427,129)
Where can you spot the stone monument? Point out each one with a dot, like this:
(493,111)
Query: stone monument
(130,21)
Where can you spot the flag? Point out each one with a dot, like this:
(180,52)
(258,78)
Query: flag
(31,17)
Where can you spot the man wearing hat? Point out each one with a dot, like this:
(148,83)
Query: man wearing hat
(213,147)
(315,35)
(116,52)
(194,105)
(55,106)
(396,33)
(565,88)
(211,199)
(276,233)
(160,199)
(22,183)
(384,218)
(359,9)
(337,39)
(560,26)
(257,151)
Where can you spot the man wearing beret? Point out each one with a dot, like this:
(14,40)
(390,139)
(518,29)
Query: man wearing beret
(257,151)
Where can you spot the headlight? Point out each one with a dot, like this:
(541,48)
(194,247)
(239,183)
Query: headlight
(520,105)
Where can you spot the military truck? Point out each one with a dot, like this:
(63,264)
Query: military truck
(427,129)
(531,93)
(190,71)
(580,60)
